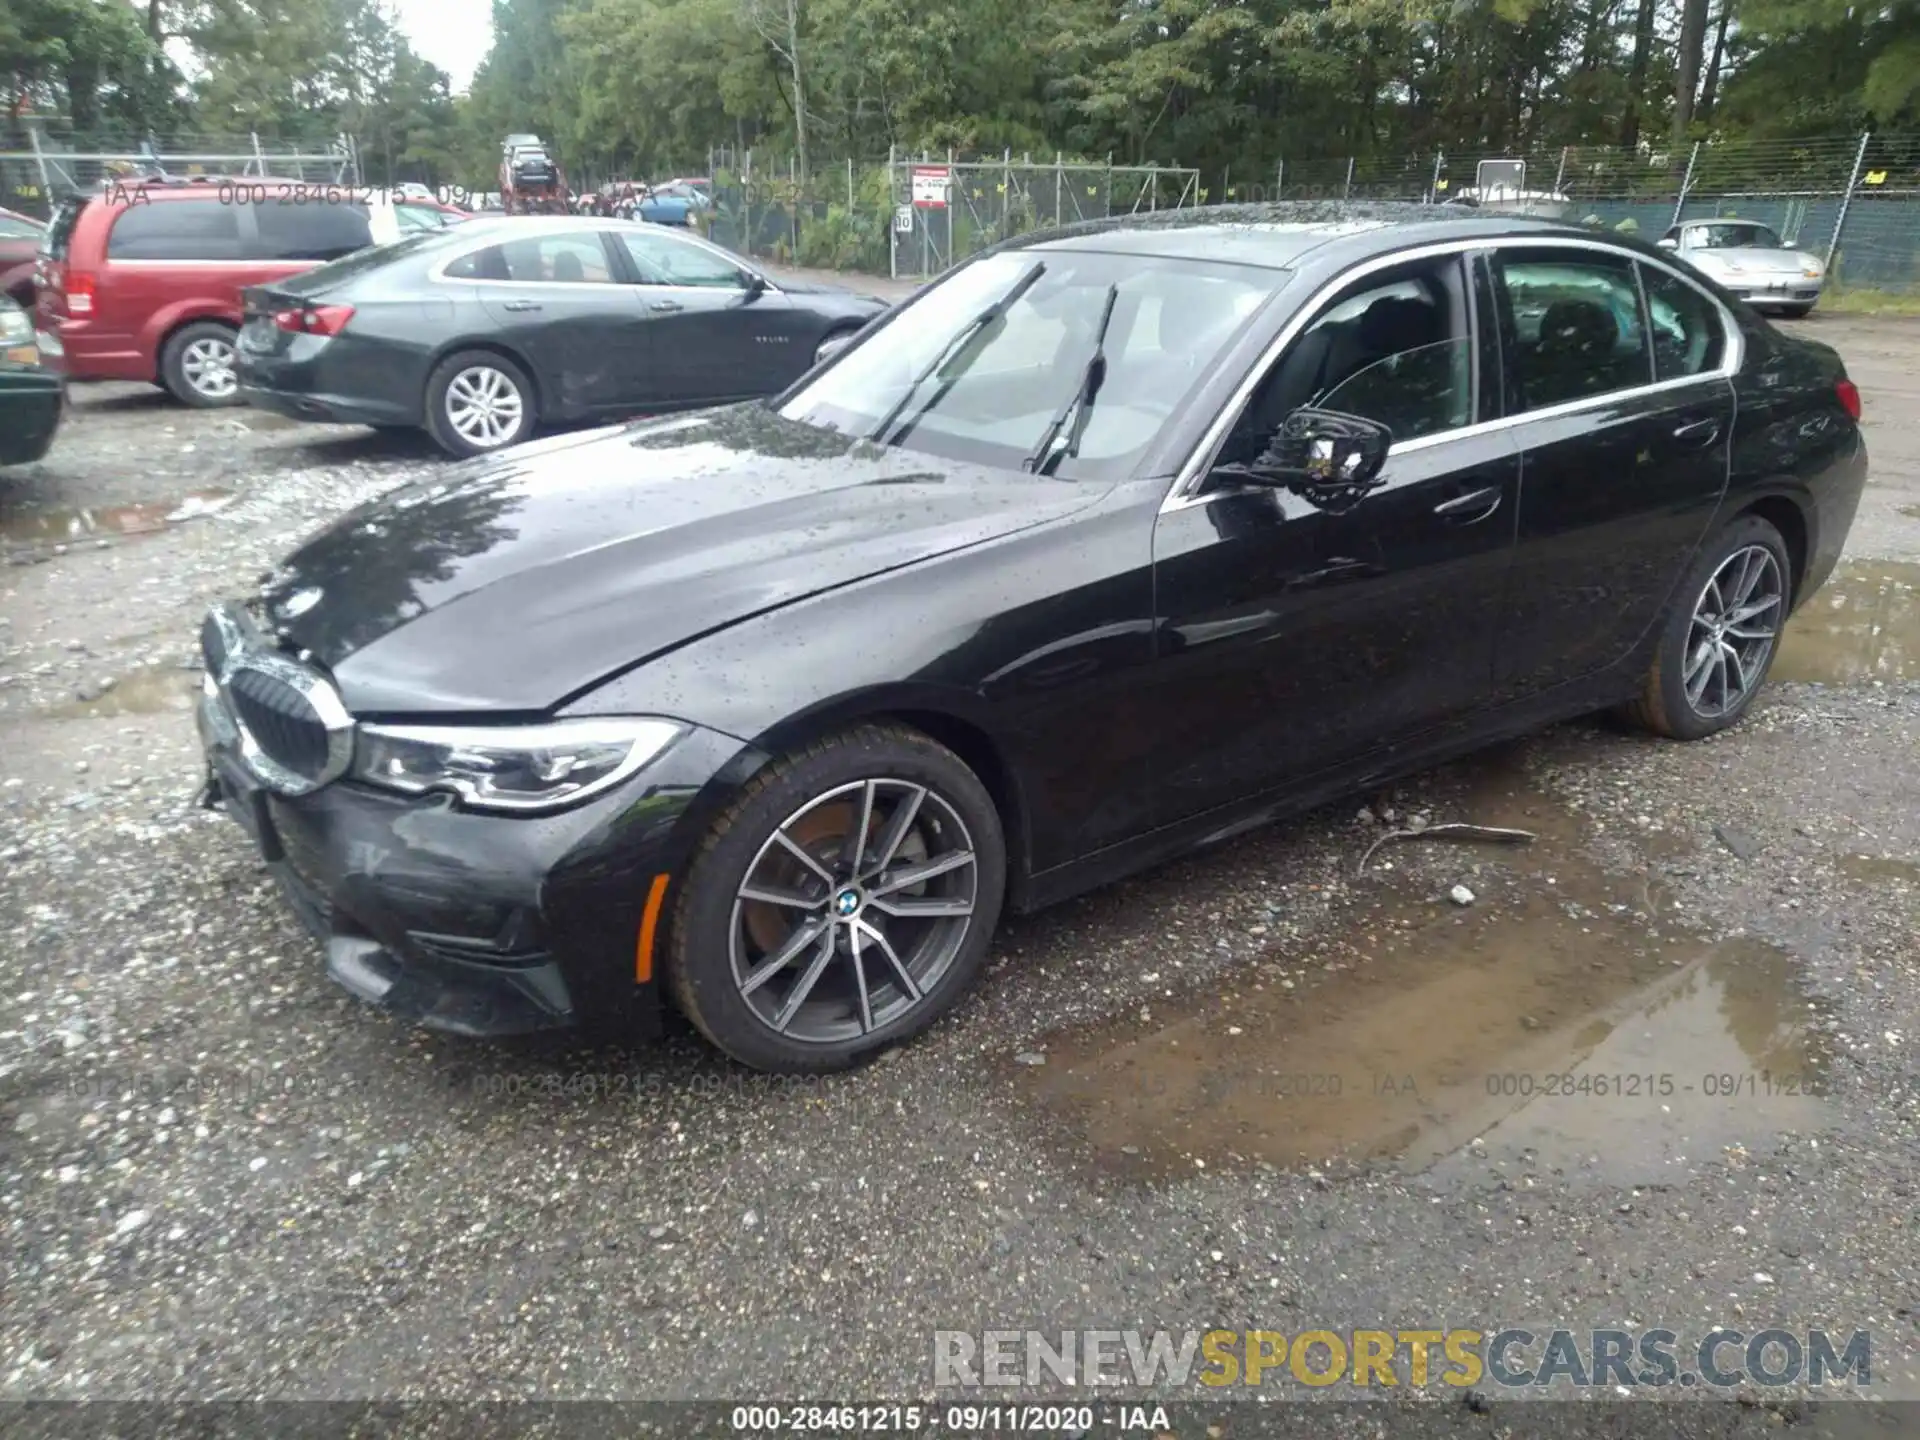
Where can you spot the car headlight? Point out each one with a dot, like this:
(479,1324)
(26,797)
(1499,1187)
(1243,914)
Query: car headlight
(1812,267)
(16,329)
(511,769)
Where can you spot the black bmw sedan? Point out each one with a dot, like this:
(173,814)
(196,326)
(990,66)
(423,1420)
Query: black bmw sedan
(1112,543)
(481,333)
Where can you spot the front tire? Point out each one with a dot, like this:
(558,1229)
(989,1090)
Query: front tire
(796,950)
(197,366)
(1719,639)
(479,402)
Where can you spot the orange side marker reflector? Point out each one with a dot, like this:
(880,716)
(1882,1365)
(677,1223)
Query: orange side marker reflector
(649,922)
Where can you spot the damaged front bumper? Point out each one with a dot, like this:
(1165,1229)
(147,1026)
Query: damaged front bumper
(469,923)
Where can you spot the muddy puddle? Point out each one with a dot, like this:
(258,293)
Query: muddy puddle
(1560,1025)
(151,690)
(35,528)
(1863,625)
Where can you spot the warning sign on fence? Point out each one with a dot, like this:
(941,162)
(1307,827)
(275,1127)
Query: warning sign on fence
(930,186)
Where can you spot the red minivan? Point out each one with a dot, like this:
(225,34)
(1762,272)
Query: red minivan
(142,281)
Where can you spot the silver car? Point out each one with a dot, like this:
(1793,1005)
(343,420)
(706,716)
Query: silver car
(1752,261)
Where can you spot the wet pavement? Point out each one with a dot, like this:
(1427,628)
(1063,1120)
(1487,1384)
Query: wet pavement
(1659,1066)
(1864,625)
(1564,1021)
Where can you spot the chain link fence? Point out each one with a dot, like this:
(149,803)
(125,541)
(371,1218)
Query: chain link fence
(913,216)
(39,163)
(1854,200)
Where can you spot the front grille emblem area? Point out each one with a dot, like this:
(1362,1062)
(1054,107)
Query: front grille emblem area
(295,732)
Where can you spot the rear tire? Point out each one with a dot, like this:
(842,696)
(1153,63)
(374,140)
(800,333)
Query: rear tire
(1719,638)
(197,366)
(479,402)
(854,952)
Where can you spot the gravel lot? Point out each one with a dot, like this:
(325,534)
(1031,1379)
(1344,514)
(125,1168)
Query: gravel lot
(220,1177)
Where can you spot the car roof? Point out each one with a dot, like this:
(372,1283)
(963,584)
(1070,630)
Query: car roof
(1279,234)
(1722,220)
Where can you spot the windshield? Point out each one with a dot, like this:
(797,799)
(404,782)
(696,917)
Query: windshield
(941,379)
(1735,237)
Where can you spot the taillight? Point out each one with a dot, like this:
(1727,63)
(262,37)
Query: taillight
(79,290)
(320,320)
(1849,394)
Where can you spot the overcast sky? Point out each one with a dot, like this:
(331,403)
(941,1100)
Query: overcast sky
(453,34)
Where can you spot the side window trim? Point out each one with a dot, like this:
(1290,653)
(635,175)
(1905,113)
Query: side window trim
(1187,481)
(1490,345)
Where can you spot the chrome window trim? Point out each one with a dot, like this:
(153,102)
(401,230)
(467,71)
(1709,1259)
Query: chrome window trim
(1186,491)
(437,274)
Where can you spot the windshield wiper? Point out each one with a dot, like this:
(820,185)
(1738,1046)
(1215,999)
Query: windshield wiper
(947,352)
(1080,404)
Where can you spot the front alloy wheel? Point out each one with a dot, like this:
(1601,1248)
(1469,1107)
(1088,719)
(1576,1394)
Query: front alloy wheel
(853,910)
(862,881)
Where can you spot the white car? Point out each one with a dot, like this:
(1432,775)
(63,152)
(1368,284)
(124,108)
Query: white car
(1752,261)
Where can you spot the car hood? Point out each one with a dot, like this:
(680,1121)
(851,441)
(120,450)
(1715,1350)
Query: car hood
(516,582)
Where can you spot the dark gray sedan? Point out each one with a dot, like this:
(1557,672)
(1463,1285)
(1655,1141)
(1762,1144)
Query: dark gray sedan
(482,333)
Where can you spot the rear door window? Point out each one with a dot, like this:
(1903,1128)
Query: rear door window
(197,229)
(314,231)
(1574,319)
(1689,337)
(575,257)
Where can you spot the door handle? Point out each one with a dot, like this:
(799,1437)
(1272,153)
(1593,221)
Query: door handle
(518,305)
(665,306)
(1698,433)
(1474,505)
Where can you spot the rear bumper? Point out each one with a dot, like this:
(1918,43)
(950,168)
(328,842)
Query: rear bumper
(332,381)
(329,409)
(1836,497)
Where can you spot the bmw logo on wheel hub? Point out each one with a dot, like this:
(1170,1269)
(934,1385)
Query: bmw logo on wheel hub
(846,904)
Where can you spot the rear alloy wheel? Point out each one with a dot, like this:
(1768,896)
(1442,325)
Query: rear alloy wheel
(197,366)
(844,902)
(1719,640)
(478,402)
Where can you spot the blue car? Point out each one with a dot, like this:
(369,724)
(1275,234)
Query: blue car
(674,203)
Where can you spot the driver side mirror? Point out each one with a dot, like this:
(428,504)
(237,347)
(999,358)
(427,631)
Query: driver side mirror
(1319,450)
(1668,242)
(753,282)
